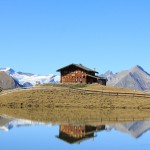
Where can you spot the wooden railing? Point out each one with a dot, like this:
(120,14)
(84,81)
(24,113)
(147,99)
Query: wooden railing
(145,95)
(85,91)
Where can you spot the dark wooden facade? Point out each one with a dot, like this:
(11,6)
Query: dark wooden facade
(77,73)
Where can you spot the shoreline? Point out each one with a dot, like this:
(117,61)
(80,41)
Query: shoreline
(68,105)
(77,116)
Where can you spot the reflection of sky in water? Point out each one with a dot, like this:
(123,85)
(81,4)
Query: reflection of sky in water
(42,137)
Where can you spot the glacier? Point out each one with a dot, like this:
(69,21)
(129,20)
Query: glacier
(28,79)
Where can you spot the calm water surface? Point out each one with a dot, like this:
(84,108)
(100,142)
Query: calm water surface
(19,134)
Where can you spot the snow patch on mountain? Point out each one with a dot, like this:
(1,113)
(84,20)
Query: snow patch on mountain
(8,70)
(28,79)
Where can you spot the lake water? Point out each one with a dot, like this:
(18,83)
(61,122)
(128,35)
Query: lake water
(19,134)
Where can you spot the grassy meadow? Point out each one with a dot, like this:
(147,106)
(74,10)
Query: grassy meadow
(63,104)
(71,98)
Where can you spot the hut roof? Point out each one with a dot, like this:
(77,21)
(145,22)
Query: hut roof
(79,66)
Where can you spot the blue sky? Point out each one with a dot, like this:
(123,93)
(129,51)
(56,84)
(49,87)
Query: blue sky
(40,36)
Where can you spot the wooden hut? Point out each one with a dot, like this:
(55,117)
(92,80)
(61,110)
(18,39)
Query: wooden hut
(77,73)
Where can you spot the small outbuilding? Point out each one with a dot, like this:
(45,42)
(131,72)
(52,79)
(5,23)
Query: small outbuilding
(77,73)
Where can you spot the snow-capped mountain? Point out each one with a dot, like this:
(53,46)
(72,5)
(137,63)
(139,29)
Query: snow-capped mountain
(135,78)
(28,79)
(8,70)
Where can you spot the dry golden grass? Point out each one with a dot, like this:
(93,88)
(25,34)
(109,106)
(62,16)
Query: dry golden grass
(65,105)
(59,97)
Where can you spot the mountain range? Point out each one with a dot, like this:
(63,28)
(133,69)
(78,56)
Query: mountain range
(135,78)
(26,79)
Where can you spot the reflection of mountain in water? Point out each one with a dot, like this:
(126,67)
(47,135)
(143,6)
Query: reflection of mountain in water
(4,123)
(78,133)
(136,129)
(7,123)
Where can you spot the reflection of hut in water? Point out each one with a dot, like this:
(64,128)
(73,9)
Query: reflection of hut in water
(78,133)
